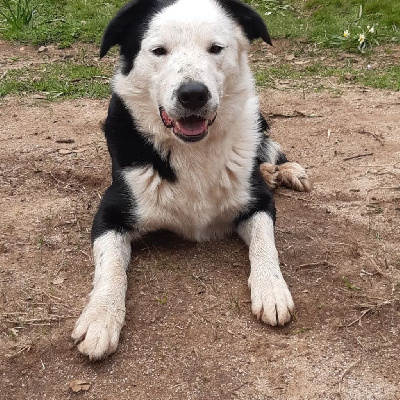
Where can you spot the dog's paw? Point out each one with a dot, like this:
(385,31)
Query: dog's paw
(292,175)
(97,331)
(271,300)
(270,175)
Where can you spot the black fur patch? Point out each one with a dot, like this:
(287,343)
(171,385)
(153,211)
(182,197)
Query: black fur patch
(128,28)
(116,211)
(128,147)
(252,24)
(262,123)
(262,198)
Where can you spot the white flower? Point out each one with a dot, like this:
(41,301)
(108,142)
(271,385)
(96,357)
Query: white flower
(361,38)
(346,33)
(371,30)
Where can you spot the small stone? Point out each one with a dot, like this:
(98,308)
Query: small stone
(349,77)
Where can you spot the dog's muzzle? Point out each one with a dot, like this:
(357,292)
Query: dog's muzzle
(189,129)
(193,97)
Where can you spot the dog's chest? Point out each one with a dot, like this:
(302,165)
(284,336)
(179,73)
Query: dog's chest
(211,189)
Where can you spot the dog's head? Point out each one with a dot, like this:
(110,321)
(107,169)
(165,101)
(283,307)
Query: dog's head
(179,59)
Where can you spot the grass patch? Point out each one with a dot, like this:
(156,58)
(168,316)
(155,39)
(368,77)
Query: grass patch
(16,13)
(40,22)
(384,78)
(65,80)
(325,21)
(349,285)
(61,21)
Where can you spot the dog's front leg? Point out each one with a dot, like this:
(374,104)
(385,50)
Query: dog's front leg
(97,329)
(271,300)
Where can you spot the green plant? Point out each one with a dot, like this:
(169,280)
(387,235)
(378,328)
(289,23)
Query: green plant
(354,25)
(61,22)
(364,39)
(349,285)
(17,13)
(162,300)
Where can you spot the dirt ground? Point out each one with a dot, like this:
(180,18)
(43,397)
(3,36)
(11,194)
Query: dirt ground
(189,332)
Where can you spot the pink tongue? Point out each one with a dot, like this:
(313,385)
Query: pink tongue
(191,126)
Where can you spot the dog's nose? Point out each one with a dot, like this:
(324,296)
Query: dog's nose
(193,95)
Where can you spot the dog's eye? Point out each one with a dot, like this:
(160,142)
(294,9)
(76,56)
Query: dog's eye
(159,51)
(215,49)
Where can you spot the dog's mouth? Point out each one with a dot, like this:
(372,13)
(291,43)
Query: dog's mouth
(189,129)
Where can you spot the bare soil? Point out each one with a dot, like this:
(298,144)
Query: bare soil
(189,332)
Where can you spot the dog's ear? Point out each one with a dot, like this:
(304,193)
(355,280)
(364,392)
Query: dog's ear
(128,22)
(253,25)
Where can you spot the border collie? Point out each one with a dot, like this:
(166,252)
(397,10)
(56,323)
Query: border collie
(189,153)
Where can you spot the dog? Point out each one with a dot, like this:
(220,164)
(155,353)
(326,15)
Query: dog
(189,153)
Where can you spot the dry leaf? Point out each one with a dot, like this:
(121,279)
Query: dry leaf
(77,385)
(289,57)
(79,150)
(302,62)
(58,281)
(65,151)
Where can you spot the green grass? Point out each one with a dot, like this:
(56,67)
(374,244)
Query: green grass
(63,21)
(320,22)
(16,13)
(65,80)
(385,78)
(349,285)
(324,21)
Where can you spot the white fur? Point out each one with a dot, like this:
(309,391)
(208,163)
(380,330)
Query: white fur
(212,187)
(100,323)
(271,300)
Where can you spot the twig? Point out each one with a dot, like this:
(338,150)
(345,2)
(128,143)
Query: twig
(239,387)
(375,265)
(14,313)
(296,114)
(56,179)
(66,141)
(297,198)
(384,187)
(346,371)
(20,350)
(41,321)
(376,137)
(380,165)
(357,156)
(363,313)
(323,263)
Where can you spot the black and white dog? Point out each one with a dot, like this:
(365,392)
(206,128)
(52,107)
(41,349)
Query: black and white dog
(187,142)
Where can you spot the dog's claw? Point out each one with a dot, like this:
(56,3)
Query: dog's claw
(271,301)
(97,332)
